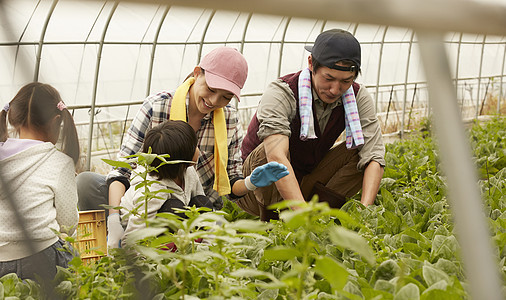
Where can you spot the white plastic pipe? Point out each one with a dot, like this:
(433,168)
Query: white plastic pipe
(480,263)
(479,17)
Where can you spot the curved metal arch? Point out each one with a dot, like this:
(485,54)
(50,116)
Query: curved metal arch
(322,27)
(153,50)
(231,29)
(499,100)
(324,23)
(479,76)
(18,44)
(41,40)
(406,84)
(457,64)
(355,28)
(243,38)
(95,84)
(187,40)
(84,49)
(282,46)
(204,35)
(379,66)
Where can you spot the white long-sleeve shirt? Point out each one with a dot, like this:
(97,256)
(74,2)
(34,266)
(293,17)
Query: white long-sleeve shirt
(132,197)
(42,180)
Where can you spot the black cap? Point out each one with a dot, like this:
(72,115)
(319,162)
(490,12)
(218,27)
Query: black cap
(335,45)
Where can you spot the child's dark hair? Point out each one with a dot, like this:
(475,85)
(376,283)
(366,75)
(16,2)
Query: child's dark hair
(176,138)
(35,106)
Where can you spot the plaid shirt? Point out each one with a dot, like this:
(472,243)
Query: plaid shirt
(155,110)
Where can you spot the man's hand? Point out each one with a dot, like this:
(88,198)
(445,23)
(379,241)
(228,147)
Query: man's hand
(114,231)
(266,175)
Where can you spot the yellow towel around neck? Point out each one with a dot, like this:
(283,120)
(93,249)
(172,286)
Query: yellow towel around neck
(178,112)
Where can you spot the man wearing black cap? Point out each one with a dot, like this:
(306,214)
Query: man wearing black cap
(298,121)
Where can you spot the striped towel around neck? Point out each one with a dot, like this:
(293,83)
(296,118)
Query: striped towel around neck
(305,106)
(354,135)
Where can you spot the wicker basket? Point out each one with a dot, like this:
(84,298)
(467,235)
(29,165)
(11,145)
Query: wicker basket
(91,242)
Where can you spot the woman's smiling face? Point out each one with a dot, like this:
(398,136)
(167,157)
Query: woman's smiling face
(208,99)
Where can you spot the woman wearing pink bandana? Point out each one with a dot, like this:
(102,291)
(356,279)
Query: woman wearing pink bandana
(298,121)
(202,101)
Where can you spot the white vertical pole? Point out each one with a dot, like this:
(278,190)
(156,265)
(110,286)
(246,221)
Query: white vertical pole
(480,263)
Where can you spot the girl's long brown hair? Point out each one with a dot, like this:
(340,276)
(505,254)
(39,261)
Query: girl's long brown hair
(34,106)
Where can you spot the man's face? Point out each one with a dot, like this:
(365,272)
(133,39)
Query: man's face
(330,84)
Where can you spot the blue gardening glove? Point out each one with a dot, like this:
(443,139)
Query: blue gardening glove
(265,175)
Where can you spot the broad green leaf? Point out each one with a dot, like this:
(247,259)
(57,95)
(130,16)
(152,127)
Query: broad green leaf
(394,221)
(372,294)
(146,158)
(9,282)
(268,294)
(202,256)
(439,295)
(281,253)
(444,246)
(332,271)
(441,230)
(229,239)
(351,240)
(144,233)
(22,289)
(411,279)
(388,200)
(344,217)
(387,270)
(447,267)
(408,219)
(287,204)
(271,285)
(440,285)
(117,164)
(247,272)
(348,295)
(353,290)
(424,242)
(64,287)
(295,219)
(208,217)
(250,226)
(412,248)
(408,292)
(432,275)
(412,263)
(384,285)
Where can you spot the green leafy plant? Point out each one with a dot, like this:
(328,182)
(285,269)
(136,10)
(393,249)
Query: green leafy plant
(402,247)
(145,160)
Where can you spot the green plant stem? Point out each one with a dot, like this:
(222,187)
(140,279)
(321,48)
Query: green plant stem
(184,279)
(217,285)
(304,264)
(146,191)
(488,176)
